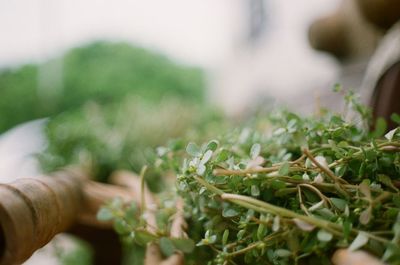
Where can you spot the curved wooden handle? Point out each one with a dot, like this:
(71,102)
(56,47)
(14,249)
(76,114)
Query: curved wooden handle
(381,13)
(329,34)
(33,211)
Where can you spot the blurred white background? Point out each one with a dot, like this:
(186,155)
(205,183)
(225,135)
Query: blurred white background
(248,47)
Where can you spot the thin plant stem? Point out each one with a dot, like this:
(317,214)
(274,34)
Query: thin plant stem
(142,189)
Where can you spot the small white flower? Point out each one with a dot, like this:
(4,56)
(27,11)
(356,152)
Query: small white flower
(319,179)
(306,176)
(194,162)
(322,161)
(303,225)
(255,163)
(316,206)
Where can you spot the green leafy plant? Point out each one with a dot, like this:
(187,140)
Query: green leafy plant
(79,254)
(130,222)
(123,135)
(101,72)
(290,190)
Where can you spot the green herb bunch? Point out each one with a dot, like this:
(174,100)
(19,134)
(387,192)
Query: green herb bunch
(291,190)
(123,136)
(131,223)
(263,206)
(103,72)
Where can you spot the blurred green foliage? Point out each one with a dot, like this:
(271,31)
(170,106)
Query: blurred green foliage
(102,72)
(124,135)
(80,254)
(117,104)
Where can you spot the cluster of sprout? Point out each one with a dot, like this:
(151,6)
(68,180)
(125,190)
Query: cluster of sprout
(289,190)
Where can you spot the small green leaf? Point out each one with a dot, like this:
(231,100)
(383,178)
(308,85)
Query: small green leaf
(104,214)
(337,120)
(337,88)
(361,171)
(324,236)
(297,177)
(142,237)
(212,145)
(339,203)
(193,150)
(261,231)
(392,252)
(326,213)
(396,118)
(167,247)
(202,190)
(387,181)
(279,131)
(340,170)
(284,169)
(255,191)
(229,212)
(396,200)
(283,253)
(225,237)
(255,151)
(276,224)
(202,242)
(116,203)
(223,155)
(131,211)
(277,184)
(250,214)
(359,241)
(240,234)
(347,226)
(212,239)
(380,127)
(291,125)
(186,245)
(120,226)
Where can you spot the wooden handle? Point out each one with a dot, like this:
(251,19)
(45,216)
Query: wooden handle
(344,33)
(33,211)
(381,13)
(329,34)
